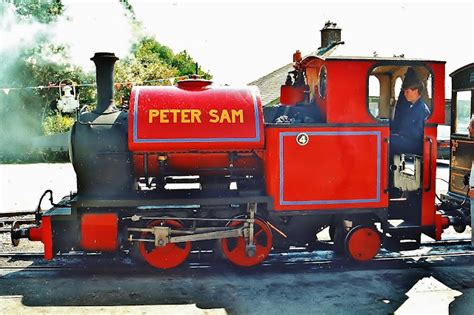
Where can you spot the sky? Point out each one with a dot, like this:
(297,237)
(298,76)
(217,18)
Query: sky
(239,42)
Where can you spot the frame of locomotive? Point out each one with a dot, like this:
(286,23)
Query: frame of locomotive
(319,159)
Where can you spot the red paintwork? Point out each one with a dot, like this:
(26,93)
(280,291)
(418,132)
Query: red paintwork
(363,243)
(438,112)
(195,117)
(312,76)
(99,232)
(196,163)
(44,234)
(346,97)
(235,249)
(441,223)
(290,95)
(333,171)
(346,102)
(169,256)
(428,209)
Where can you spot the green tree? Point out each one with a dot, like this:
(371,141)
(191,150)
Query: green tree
(151,63)
(32,106)
(43,11)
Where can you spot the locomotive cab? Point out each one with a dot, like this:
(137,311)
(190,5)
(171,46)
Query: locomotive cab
(356,99)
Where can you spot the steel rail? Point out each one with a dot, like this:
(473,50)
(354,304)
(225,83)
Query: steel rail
(450,242)
(198,259)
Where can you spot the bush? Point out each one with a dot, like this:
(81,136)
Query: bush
(57,123)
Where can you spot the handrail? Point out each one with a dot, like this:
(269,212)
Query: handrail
(430,159)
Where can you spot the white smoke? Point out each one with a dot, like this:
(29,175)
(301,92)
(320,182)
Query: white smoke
(85,27)
(89,26)
(16,34)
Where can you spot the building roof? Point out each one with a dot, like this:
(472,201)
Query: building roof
(269,85)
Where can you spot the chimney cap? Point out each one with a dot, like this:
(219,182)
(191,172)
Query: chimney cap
(330,25)
(101,55)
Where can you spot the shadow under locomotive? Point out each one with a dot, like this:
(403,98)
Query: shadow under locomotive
(93,281)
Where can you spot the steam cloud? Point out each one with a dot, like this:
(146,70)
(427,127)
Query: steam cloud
(84,27)
(92,26)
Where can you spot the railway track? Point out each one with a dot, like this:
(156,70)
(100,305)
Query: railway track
(430,252)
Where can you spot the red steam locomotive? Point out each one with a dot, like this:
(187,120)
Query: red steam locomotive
(200,165)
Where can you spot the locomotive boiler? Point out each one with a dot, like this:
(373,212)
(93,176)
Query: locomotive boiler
(207,167)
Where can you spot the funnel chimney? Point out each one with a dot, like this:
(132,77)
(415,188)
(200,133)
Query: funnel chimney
(104,63)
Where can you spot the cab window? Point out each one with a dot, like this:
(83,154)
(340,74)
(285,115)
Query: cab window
(384,89)
(374,95)
(463,112)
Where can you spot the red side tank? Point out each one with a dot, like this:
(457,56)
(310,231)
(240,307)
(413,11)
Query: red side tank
(194,118)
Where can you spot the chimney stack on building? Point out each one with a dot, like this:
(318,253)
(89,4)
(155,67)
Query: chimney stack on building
(330,34)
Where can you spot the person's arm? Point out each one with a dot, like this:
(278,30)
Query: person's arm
(398,116)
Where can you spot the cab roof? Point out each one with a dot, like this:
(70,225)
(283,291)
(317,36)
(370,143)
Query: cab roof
(379,59)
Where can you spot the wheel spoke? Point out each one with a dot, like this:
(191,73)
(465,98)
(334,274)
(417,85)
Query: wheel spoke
(258,233)
(235,251)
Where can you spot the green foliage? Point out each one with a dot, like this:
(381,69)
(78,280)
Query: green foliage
(150,62)
(131,69)
(149,50)
(49,64)
(35,63)
(186,65)
(44,11)
(30,156)
(129,8)
(44,64)
(57,123)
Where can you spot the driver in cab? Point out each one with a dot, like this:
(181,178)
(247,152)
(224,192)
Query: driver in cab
(411,112)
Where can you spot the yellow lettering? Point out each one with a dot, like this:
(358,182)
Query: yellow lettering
(225,116)
(175,113)
(152,113)
(164,116)
(185,116)
(238,114)
(214,116)
(195,115)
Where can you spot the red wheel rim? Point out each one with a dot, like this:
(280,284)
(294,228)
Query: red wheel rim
(363,243)
(168,256)
(234,248)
